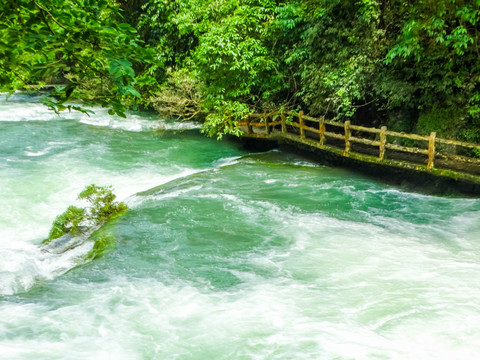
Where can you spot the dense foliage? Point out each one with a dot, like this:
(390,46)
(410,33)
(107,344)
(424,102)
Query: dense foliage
(76,42)
(413,65)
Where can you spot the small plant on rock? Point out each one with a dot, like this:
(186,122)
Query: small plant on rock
(102,207)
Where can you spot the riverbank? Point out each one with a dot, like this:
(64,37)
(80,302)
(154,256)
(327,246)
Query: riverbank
(417,179)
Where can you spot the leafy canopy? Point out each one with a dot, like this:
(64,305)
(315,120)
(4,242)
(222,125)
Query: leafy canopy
(41,41)
(378,62)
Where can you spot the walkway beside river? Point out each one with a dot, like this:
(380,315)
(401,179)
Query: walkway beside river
(430,154)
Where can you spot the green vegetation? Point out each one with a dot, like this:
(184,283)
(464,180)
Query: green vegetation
(101,208)
(67,222)
(410,65)
(72,42)
(102,203)
(103,244)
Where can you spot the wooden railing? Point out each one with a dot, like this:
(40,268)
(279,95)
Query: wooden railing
(302,127)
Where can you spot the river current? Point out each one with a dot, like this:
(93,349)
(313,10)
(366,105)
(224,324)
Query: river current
(224,254)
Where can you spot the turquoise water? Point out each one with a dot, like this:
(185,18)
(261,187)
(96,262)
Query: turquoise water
(224,254)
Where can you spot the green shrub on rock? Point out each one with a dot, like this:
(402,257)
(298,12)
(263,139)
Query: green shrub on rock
(67,222)
(102,207)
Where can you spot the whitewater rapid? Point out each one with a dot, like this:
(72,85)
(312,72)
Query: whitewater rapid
(224,254)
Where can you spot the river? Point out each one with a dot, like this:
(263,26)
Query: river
(224,254)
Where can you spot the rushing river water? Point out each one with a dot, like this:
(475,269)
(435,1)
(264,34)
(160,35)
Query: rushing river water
(224,254)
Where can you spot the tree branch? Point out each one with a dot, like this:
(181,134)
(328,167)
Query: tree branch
(50,14)
(45,21)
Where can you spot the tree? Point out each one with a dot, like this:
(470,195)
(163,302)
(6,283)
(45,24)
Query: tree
(229,53)
(411,65)
(44,41)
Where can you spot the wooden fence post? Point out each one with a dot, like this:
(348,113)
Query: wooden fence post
(284,123)
(431,150)
(321,131)
(347,138)
(383,141)
(249,127)
(267,128)
(302,124)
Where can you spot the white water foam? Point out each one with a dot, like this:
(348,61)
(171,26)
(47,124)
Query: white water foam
(133,123)
(36,197)
(383,286)
(20,108)
(31,264)
(21,269)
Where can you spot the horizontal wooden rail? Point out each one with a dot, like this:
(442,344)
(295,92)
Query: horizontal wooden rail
(309,128)
(251,124)
(366,129)
(261,116)
(334,135)
(365,141)
(407,136)
(299,126)
(309,118)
